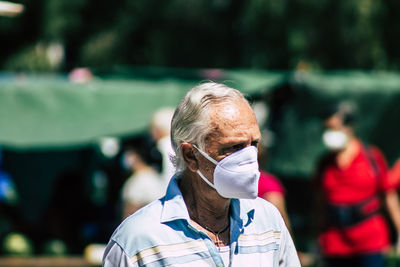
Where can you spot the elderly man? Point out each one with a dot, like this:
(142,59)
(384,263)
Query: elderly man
(210,215)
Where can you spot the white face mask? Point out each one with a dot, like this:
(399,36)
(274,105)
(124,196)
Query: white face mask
(335,140)
(235,176)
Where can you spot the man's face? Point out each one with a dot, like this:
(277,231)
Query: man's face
(233,127)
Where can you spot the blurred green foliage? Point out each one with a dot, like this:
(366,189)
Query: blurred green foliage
(325,34)
(29,59)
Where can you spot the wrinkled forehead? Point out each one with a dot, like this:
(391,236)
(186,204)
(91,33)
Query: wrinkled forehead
(226,111)
(230,108)
(232,120)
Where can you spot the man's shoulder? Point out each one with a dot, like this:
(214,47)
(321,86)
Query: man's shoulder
(264,211)
(257,203)
(138,227)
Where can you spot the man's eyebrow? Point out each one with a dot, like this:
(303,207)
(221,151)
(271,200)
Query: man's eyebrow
(236,140)
(231,145)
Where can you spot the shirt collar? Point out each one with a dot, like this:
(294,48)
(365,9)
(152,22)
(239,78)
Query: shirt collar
(241,212)
(174,207)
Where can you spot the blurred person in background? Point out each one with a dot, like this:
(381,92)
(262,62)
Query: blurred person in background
(270,187)
(145,183)
(394,173)
(210,215)
(353,186)
(160,131)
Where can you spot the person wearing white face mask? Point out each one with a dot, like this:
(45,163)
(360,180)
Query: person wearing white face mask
(243,164)
(210,215)
(353,187)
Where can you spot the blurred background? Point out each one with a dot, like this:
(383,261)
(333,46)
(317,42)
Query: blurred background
(81,79)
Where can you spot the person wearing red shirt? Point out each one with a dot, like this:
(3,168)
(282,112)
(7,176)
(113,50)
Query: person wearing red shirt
(271,189)
(269,186)
(394,173)
(353,186)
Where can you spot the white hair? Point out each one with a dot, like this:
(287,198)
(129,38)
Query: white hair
(190,122)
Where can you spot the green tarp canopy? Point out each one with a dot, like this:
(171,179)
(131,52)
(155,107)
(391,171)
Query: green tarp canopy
(48,111)
(45,111)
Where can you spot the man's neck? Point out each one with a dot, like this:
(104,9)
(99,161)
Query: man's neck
(206,207)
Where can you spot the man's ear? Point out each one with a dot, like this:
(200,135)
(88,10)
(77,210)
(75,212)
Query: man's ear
(189,156)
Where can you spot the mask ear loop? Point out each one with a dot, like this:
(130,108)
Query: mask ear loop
(205,179)
(210,159)
(206,155)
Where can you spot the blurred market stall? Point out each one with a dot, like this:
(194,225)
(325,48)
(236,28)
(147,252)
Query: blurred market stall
(66,131)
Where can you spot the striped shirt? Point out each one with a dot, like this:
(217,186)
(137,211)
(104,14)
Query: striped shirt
(160,235)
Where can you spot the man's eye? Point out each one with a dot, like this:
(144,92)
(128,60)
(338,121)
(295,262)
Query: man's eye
(254,143)
(237,147)
(229,150)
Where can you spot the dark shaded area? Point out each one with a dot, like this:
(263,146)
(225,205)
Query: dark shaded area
(71,195)
(206,34)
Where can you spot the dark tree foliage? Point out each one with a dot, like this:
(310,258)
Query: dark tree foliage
(270,34)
